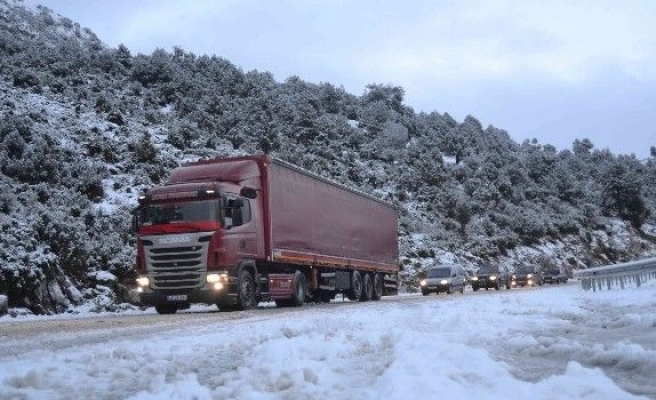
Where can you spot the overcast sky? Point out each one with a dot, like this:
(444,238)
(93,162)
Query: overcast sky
(551,70)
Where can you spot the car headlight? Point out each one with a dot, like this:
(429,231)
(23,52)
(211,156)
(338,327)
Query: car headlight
(493,278)
(529,276)
(474,278)
(423,282)
(143,281)
(444,282)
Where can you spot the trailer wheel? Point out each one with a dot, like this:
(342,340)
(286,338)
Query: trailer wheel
(378,287)
(300,289)
(367,288)
(166,308)
(247,299)
(355,292)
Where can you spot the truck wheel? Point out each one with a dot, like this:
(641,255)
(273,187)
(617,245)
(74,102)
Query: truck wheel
(462,288)
(246,291)
(497,286)
(355,292)
(300,289)
(367,288)
(448,290)
(378,287)
(475,288)
(166,308)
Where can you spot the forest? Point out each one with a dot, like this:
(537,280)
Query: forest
(85,128)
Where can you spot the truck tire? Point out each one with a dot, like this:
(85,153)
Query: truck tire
(246,300)
(355,292)
(166,308)
(298,296)
(378,287)
(300,290)
(367,288)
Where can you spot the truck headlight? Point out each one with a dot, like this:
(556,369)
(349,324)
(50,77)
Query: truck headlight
(529,276)
(143,281)
(474,278)
(514,276)
(493,278)
(423,282)
(216,278)
(444,282)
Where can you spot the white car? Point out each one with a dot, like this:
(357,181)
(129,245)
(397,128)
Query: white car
(445,278)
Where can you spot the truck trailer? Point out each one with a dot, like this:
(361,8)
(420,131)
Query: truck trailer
(243,230)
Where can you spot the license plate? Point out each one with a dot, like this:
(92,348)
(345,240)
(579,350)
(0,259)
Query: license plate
(177,297)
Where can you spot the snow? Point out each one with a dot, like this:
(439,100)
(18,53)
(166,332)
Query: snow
(555,342)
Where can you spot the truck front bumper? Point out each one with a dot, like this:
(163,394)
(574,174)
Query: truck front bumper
(206,295)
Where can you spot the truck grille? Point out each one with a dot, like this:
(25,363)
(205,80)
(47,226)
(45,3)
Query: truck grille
(172,266)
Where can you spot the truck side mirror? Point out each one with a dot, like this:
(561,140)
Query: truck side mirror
(135,221)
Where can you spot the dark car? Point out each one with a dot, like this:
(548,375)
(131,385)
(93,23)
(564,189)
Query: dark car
(444,278)
(527,275)
(555,275)
(491,277)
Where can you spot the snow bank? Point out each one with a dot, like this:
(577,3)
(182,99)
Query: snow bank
(552,342)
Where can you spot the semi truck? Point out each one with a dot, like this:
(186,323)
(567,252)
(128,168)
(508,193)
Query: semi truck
(243,230)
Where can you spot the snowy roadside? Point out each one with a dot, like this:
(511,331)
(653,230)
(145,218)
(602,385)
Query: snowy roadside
(553,342)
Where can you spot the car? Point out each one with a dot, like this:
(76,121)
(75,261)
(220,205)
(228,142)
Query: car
(555,275)
(444,278)
(491,277)
(527,275)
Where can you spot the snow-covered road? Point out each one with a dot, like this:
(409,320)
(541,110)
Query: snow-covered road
(549,343)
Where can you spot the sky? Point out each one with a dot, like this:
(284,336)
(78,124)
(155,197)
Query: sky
(553,342)
(553,70)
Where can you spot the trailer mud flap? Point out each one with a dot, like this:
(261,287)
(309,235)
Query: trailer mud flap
(281,286)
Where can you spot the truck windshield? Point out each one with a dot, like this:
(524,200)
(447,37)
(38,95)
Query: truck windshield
(192,211)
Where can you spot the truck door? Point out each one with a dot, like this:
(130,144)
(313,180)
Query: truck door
(239,229)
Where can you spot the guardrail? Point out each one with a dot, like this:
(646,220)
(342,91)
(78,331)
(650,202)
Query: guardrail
(625,274)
